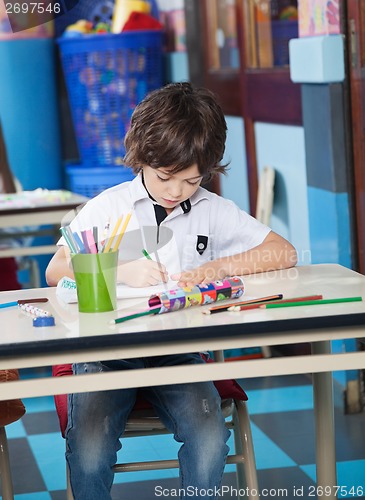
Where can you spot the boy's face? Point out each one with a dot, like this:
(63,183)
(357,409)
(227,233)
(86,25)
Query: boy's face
(169,190)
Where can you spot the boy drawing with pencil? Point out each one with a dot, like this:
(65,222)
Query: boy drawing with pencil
(176,140)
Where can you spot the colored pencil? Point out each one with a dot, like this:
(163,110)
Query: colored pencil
(22,301)
(95,235)
(115,230)
(238,308)
(105,234)
(122,231)
(225,307)
(314,302)
(8,304)
(138,314)
(146,254)
(32,301)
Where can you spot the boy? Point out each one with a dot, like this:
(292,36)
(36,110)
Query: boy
(176,139)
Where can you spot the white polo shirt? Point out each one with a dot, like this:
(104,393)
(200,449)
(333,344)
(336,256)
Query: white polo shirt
(213,227)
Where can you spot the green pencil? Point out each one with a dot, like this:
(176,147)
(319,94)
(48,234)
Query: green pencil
(146,254)
(154,310)
(311,302)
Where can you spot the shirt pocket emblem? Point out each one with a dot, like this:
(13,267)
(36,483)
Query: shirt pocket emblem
(201,243)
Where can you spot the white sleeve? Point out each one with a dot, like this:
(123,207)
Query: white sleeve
(236,230)
(94,213)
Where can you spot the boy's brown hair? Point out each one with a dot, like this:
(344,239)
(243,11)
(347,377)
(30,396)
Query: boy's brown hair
(177,126)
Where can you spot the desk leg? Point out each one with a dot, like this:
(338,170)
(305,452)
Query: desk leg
(324,419)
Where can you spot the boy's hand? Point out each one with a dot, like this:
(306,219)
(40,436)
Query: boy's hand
(139,273)
(203,274)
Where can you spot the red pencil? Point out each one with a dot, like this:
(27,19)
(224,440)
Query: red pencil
(238,308)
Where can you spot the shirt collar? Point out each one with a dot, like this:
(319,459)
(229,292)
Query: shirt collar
(139,192)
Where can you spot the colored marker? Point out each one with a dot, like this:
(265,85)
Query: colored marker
(79,242)
(70,241)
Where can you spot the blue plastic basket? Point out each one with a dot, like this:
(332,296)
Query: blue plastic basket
(92,181)
(106,77)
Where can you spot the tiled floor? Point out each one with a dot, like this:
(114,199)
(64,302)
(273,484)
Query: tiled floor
(281,410)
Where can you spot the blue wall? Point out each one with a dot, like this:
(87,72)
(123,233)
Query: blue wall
(30,118)
(29,111)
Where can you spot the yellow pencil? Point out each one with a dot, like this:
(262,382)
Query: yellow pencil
(110,241)
(122,231)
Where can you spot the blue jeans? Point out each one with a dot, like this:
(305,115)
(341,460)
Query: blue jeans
(96,421)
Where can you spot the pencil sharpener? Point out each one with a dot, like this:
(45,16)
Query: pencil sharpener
(44,321)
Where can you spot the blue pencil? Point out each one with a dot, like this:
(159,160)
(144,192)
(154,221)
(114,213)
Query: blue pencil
(8,304)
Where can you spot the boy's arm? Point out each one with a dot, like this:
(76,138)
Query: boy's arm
(59,266)
(275,252)
(136,273)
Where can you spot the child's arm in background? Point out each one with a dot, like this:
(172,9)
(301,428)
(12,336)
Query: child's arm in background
(59,266)
(275,252)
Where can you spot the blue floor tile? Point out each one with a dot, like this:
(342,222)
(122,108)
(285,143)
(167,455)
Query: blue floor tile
(15,430)
(39,495)
(350,477)
(49,453)
(280,399)
(35,405)
(268,454)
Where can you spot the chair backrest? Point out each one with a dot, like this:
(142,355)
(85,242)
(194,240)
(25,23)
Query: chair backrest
(265,195)
(10,411)
(13,410)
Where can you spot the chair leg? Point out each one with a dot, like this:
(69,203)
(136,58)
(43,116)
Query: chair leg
(69,491)
(69,494)
(246,471)
(6,481)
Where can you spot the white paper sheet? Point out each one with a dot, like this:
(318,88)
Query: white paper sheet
(127,292)
(66,289)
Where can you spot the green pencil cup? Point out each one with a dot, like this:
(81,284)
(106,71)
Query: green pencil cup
(96,281)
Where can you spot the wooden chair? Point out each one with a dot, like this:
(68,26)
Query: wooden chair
(144,422)
(10,411)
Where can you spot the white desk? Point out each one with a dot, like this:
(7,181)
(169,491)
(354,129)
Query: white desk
(87,337)
(36,208)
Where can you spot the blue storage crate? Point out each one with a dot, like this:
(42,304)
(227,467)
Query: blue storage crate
(92,181)
(106,77)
